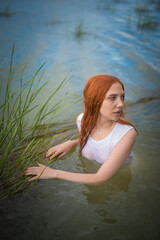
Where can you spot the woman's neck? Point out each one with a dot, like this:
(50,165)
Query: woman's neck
(103,123)
(102,129)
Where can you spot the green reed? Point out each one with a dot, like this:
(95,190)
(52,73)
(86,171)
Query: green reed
(22,142)
(6,13)
(146,22)
(141,8)
(79,30)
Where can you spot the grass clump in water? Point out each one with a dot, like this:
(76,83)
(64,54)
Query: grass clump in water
(79,32)
(141,8)
(158,5)
(146,22)
(6,12)
(22,142)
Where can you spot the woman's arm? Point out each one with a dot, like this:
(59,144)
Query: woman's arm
(61,149)
(118,155)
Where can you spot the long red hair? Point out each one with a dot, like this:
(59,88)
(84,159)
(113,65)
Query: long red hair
(94,94)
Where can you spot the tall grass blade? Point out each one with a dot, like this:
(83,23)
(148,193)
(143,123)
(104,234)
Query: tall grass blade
(22,142)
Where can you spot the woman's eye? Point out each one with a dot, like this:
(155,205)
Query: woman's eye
(112,98)
(122,98)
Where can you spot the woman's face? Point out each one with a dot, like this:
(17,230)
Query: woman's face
(112,105)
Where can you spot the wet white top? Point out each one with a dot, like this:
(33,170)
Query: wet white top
(100,150)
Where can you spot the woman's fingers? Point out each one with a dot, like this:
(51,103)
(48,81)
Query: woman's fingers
(51,151)
(58,152)
(54,155)
(60,149)
(61,155)
(41,165)
(34,170)
(31,170)
(40,172)
(33,178)
(54,151)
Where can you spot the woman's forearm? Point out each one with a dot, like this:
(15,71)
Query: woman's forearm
(83,178)
(45,172)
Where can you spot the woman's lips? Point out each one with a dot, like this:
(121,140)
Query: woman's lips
(118,113)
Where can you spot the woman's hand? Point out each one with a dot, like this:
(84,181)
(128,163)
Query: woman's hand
(41,172)
(61,149)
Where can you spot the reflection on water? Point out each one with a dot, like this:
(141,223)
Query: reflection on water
(126,206)
(101,194)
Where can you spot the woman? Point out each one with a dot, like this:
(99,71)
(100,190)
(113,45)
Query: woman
(104,134)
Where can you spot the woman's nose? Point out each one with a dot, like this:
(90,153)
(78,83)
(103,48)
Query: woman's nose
(120,103)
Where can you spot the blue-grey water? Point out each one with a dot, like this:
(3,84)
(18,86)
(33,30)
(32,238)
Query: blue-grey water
(127,206)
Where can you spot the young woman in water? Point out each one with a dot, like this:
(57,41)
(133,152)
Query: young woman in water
(104,134)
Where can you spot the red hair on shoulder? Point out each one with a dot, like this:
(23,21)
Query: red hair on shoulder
(94,94)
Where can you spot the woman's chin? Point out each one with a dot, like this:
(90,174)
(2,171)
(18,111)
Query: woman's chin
(116,118)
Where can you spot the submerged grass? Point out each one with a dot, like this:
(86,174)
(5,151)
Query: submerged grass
(6,12)
(79,30)
(158,5)
(141,8)
(146,22)
(22,142)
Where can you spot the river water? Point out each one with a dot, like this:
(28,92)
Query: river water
(127,206)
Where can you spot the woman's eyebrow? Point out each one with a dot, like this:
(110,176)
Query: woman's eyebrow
(114,94)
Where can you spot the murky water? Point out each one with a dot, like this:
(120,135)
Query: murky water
(127,206)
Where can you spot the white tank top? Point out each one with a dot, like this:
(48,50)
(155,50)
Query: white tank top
(100,150)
